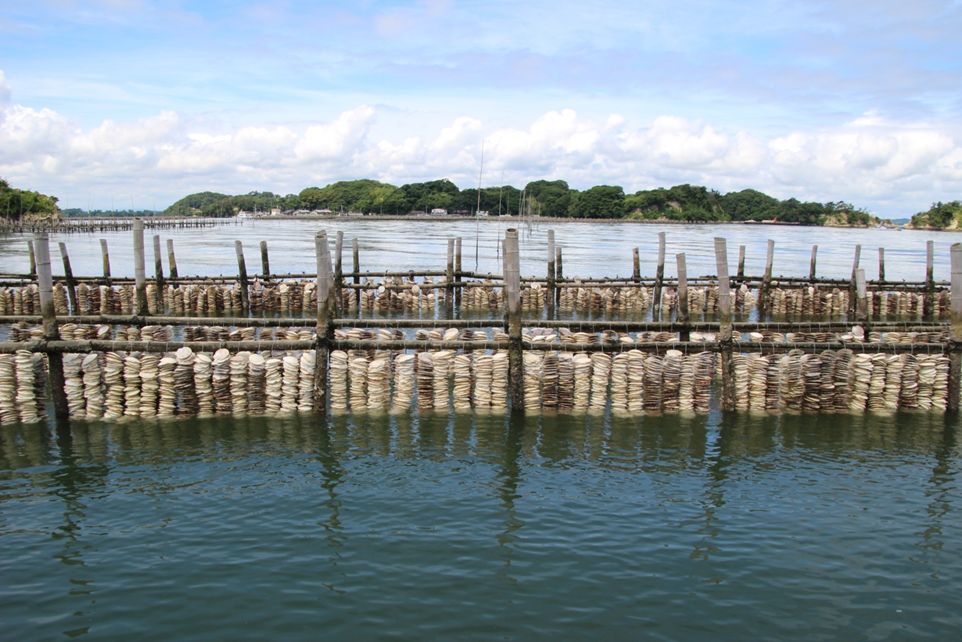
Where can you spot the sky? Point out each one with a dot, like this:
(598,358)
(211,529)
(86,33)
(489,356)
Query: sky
(137,103)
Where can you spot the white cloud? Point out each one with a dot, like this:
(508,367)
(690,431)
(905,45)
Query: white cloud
(5,91)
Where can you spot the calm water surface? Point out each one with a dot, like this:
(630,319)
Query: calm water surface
(458,527)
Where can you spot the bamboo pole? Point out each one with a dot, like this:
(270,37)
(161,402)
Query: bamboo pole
(449,280)
(725,331)
(242,275)
(33,259)
(635,265)
(881,265)
(457,273)
(552,290)
(265,262)
(682,316)
(51,331)
(811,265)
(140,268)
(558,266)
(339,271)
(853,288)
(357,273)
(171,262)
(767,278)
(955,351)
(741,262)
(323,329)
(68,277)
(159,273)
(862,314)
(106,260)
(928,302)
(512,285)
(659,273)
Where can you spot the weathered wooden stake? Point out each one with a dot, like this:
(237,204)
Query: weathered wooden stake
(357,272)
(955,347)
(33,259)
(512,298)
(881,264)
(558,266)
(862,314)
(159,273)
(265,262)
(339,271)
(171,262)
(140,269)
(852,288)
(811,265)
(550,294)
(51,332)
(767,278)
(457,272)
(106,259)
(324,330)
(68,277)
(928,301)
(741,261)
(659,273)
(635,265)
(242,275)
(682,294)
(449,281)
(725,333)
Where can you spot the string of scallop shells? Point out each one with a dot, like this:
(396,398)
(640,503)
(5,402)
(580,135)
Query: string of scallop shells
(132,385)
(463,380)
(220,382)
(379,382)
(8,387)
(338,364)
(358,380)
(93,393)
(532,362)
(26,398)
(273,381)
(149,384)
(166,390)
(203,383)
(305,384)
(289,383)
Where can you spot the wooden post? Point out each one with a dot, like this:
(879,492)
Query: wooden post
(324,329)
(659,274)
(811,265)
(140,269)
(558,266)
(106,259)
(682,317)
(550,294)
(159,273)
(725,327)
(853,288)
(339,271)
(862,315)
(449,281)
(265,262)
(881,264)
(171,261)
(512,299)
(357,273)
(955,347)
(766,278)
(51,331)
(635,265)
(242,275)
(928,302)
(741,261)
(457,272)
(68,277)
(33,259)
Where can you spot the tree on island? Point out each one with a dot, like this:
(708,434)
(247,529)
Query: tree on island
(17,203)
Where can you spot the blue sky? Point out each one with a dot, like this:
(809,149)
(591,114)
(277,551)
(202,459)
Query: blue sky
(145,101)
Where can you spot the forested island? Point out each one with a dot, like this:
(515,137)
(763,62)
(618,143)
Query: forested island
(553,199)
(549,199)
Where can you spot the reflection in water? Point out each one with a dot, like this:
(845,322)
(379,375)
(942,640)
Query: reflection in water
(509,479)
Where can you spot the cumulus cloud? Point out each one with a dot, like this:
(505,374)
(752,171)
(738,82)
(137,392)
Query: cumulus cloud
(893,168)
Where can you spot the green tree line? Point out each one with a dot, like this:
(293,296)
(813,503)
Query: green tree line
(18,203)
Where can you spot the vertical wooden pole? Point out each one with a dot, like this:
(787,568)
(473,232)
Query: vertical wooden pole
(881,264)
(512,298)
(339,271)
(811,265)
(265,262)
(741,261)
(51,332)
(106,259)
(635,265)
(357,274)
(457,272)
(550,294)
(766,278)
(682,295)
(725,328)
(242,275)
(558,265)
(862,314)
(852,288)
(171,261)
(928,302)
(955,346)
(159,273)
(68,277)
(324,329)
(449,281)
(33,259)
(659,274)
(140,269)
